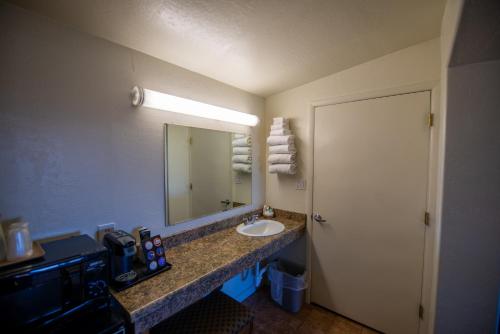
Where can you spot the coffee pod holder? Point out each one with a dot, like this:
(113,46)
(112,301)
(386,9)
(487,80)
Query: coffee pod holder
(154,262)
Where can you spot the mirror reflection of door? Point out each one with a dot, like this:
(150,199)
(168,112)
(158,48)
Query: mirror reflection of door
(210,170)
(200,173)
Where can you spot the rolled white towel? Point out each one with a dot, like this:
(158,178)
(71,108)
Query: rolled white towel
(245,141)
(239,135)
(242,158)
(280,120)
(281,140)
(245,168)
(283,169)
(280,132)
(281,158)
(242,150)
(282,149)
(279,126)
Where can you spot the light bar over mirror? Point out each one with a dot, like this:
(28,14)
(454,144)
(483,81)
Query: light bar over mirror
(156,100)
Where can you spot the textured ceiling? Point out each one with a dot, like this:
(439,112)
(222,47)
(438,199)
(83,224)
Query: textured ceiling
(261,46)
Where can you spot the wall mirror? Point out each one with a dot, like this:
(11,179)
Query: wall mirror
(206,171)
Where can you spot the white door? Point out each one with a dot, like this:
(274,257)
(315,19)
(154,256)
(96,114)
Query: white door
(370,185)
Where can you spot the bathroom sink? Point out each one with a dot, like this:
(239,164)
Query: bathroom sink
(261,228)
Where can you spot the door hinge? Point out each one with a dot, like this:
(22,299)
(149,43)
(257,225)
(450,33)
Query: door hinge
(190,140)
(431,119)
(421,312)
(427,218)
(190,186)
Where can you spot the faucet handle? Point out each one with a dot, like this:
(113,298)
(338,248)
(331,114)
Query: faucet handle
(245,220)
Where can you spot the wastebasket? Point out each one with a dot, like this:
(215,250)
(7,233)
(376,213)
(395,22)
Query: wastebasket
(288,283)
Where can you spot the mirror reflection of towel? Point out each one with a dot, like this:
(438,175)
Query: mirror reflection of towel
(242,142)
(245,168)
(242,158)
(242,150)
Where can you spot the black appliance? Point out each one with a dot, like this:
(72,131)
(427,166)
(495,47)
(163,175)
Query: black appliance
(50,294)
(126,268)
(122,250)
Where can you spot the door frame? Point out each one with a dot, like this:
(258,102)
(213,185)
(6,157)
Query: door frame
(434,188)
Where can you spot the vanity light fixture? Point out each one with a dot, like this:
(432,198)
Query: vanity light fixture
(156,100)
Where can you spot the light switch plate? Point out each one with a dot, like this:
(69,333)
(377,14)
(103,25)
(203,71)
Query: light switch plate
(301,185)
(237,179)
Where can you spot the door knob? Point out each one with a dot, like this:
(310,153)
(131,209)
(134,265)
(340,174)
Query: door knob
(317,217)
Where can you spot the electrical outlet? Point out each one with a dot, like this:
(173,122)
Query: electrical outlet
(301,185)
(103,229)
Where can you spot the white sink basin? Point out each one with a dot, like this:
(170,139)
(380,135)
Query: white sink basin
(261,228)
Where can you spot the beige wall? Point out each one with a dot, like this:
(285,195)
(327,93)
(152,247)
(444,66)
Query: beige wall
(419,63)
(75,153)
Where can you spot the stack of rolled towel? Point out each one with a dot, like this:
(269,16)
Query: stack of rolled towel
(282,153)
(242,153)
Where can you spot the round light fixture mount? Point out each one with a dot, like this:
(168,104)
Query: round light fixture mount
(137,95)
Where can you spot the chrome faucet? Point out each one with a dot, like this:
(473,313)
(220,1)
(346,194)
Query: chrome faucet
(250,220)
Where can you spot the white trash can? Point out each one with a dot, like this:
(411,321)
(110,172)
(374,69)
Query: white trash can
(288,283)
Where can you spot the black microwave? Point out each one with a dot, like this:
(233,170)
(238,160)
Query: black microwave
(71,277)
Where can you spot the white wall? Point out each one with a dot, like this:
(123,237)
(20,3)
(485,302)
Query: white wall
(74,152)
(419,63)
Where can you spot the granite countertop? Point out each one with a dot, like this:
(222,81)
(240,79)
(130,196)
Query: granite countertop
(198,267)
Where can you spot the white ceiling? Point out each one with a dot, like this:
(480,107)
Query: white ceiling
(261,46)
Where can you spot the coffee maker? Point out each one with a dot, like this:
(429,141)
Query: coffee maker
(122,250)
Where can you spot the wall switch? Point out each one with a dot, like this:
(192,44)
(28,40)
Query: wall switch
(301,185)
(237,179)
(103,229)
